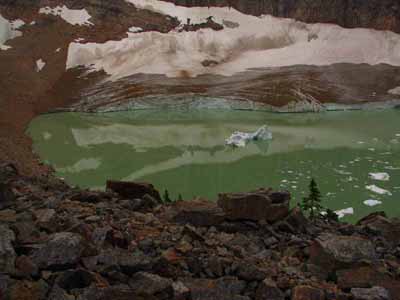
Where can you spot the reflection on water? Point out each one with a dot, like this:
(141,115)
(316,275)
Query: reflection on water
(184,152)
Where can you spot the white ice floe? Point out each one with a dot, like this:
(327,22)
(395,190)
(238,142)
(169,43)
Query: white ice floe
(72,16)
(40,65)
(8,31)
(382,176)
(378,190)
(395,91)
(344,212)
(263,41)
(372,202)
(240,139)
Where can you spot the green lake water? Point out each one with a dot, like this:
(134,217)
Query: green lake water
(185,153)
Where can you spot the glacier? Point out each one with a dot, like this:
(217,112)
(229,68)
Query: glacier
(256,42)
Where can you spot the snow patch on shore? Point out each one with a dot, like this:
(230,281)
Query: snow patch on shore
(40,65)
(9,30)
(263,41)
(240,139)
(72,16)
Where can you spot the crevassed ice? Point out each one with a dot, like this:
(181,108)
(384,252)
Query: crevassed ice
(263,41)
(72,16)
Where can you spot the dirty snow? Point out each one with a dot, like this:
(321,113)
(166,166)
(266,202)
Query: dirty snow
(382,176)
(72,16)
(378,190)
(372,202)
(263,41)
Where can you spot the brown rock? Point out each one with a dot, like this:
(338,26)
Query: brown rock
(336,252)
(26,267)
(28,290)
(133,190)
(198,213)
(379,223)
(7,253)
(263,204)
(303,292)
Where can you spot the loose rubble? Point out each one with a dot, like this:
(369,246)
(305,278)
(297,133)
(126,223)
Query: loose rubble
(59,242)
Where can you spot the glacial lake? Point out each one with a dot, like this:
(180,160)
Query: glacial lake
(354,156)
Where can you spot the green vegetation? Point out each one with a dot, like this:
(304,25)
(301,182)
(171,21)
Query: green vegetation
(312,204)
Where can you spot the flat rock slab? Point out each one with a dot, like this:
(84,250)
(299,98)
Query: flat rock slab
(263,204)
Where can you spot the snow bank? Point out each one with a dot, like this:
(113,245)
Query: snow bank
(8,31)
(378,190)
(240,139)
(72,16)
(256,42)
(344,212)
(379,176)
(372,202)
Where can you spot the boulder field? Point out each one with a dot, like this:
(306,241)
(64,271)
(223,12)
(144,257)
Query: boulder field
(61,242)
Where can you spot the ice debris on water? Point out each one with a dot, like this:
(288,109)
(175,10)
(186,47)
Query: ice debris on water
(379,176)
(372,202)
(344,212)
(240,139)
(378,190)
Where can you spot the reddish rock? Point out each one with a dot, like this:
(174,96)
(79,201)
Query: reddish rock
(198,213)
(133,190)
(303,292)
(379,223)
(335,252)
(26,267)
(263,204)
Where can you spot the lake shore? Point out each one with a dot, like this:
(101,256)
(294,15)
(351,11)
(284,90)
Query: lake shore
(65,242)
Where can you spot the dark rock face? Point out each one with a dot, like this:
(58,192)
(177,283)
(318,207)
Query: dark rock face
(7,253)
(63,250)
(258,205)
(133,190)
(377,14)
(198,213)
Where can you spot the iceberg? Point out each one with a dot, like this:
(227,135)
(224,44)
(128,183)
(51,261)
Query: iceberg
(240,139)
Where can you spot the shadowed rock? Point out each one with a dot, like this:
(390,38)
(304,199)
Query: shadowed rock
(133,190)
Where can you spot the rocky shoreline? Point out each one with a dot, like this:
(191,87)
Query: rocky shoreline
(59,242)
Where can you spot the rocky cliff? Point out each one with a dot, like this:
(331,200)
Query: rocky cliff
(378,14)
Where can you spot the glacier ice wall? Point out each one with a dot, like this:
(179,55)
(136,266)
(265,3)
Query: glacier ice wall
(263,41)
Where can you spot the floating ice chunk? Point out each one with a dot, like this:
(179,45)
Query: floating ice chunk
(378,190)
(240,139)
(72,16)
(344,212)
(372,202)
(379,176)
(40,65)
